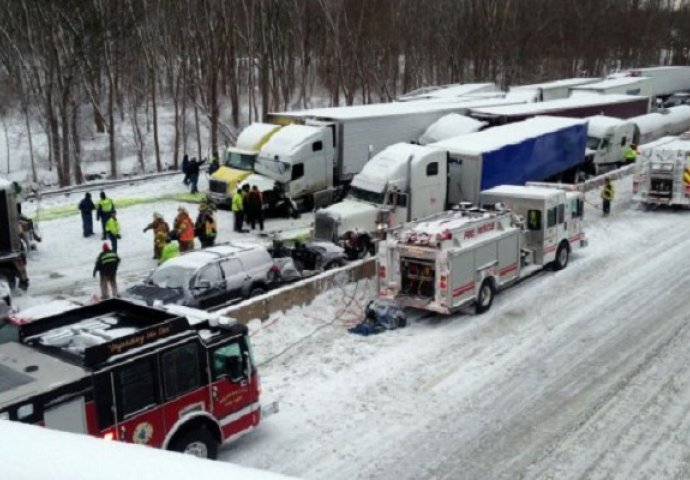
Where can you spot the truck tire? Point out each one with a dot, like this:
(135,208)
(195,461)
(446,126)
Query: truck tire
(485,297)
(562,256)
(256,291)
(198,442)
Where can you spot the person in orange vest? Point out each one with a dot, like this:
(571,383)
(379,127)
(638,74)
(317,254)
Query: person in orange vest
(184,226)
(160,233)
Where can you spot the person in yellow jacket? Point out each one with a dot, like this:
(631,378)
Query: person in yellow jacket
(630,154)
(238,209)
(104,209)
(112,230)
(608,192)
(160,233)
(170,250)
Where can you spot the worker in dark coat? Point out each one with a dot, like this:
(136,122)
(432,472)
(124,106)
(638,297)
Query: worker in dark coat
(194,165)
(86,207)
(106,265)
(254,208)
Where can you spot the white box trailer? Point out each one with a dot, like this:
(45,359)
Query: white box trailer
(664,80)
(542,92)
(450,91)
(462,257)
(640,86)
(662,173)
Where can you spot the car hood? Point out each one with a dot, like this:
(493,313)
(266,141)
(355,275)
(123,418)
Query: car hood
(151,294)
(352,215)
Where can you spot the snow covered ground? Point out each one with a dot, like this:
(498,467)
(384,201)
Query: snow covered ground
(571,374)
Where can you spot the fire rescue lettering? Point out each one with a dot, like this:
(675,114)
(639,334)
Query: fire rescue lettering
(138,340)
(487,227)
(231,398)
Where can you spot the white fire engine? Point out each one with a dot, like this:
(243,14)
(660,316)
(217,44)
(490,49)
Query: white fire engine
(136,374)
(450,260)
(662,172)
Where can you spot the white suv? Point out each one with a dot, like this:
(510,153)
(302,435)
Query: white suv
(210,277)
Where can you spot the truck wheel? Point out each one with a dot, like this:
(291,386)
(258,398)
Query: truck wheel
(562,256)
(256,291)
(485,297)
(198,442)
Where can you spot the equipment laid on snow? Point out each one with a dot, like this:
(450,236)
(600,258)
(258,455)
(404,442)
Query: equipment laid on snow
(662,172)
(452,259)
(136,374)
(379,316)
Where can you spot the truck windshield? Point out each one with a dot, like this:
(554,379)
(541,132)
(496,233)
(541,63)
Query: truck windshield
(172,276)
(593,143)
(367,196)
(240,161)
(274,168)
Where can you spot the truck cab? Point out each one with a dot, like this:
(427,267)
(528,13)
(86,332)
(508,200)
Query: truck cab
(662,173)
(401,183)
(239,162)
(301,159)
(607,139)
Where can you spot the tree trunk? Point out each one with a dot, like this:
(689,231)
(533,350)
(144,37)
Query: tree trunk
(111,125)
(65,124)
(76,143)
(154,107)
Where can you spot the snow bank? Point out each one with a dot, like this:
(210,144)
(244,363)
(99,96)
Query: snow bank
(68,456)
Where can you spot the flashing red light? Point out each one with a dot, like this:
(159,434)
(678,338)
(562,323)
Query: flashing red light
(446,235)
(109,436)
(443,282)
(382,271)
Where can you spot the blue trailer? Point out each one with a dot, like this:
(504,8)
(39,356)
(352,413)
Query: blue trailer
(536,149)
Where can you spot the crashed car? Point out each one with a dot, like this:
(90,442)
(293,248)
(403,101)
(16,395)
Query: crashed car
(311,256)
(209,278)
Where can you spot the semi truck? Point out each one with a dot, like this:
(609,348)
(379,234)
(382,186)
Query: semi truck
(546,91)
(314,157)
(665,81)
(407,182)
(608,137)
(662,173)
(135,374)
(451,91)
(239,162)
(462,257)
(12,257)
(620,106)
(641,86)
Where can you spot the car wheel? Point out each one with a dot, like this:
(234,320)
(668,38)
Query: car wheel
(485,297)
(562,256)
(198,442)
(256,291)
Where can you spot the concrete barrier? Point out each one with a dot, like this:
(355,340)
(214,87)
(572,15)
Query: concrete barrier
(301,293)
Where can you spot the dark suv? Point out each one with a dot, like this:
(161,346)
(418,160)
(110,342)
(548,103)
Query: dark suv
(210,277)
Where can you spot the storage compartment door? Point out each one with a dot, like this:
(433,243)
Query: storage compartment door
(67,417)
(508,258)
(462,278)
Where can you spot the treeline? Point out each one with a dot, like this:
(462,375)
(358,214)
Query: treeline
(114,60)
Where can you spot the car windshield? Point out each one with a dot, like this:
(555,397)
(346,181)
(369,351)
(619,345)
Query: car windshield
(593,143)
(367,195)
(171,276)
(240,161)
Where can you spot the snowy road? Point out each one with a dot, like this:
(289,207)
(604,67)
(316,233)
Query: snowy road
(572,374)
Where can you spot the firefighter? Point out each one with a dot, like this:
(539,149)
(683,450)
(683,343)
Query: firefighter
(630,154)
(205,226)
(185,230)
(106,207)
(607,195)
(254,208)
(170,250)
(160,233)
(112,229)
(106,265)
(238,209)
(86,207)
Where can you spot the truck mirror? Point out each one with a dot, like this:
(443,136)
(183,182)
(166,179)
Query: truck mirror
(234,368)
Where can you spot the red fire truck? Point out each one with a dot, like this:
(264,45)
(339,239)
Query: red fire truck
(135,374)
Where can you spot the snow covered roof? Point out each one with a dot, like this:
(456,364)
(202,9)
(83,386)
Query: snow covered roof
(448,91)
(387,165)
(254,135)
(650,122)
(393,109)
(199,258)
(4,183)
(71,456)
(597,125)
(612,83)
(566,82)
(25,372)
(498,137)
(288,139)
(449,126)
(553,105)
(523,191)
(679,113)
